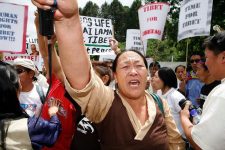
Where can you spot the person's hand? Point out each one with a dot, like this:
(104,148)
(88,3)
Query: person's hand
(65,8)
(54,107)
(114,45)
(185,112)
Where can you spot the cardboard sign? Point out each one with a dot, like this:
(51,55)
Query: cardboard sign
(133,41)
(152,19)
(195,18)
(13,26)
(97,32)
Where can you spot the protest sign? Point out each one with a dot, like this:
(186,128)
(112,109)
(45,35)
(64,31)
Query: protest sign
(97,32)
(31,50)
(194,18)
(133,41)
(152,19)
(13,26)
(32,53)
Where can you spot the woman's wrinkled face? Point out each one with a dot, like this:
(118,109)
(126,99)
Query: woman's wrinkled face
(131,75)
(157,83)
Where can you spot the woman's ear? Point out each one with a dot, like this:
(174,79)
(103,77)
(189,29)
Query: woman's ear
(105,79)
(223,57)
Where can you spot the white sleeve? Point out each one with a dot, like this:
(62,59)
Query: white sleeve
(209,133)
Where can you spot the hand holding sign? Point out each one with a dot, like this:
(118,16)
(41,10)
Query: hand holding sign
(114,45)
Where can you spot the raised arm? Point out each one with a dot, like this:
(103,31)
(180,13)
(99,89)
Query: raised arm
(73,54)
(43,48)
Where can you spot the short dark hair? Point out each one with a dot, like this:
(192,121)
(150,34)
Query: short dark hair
(215,43)
(103,70)
(168,76)
(154,64)
(178,67)
(202,62)
(114,66)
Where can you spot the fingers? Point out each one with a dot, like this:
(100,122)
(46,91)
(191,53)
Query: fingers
(187,106)
(55,102)
(43,4)
(112,41)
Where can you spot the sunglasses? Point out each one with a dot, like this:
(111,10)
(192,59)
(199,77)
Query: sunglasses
(195,60)
(19,70)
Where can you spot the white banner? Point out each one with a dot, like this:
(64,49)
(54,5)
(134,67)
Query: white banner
(97,32)
(152,19)
(133,41)
(13,26)
(195,18)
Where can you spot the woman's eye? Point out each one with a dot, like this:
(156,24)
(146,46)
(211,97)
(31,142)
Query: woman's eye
(139,66)
(125,67)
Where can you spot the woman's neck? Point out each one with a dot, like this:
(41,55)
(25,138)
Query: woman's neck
(165,89)
(209,80)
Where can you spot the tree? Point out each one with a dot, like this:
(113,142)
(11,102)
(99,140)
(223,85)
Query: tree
(90,9)
(105,11)
(133,22)
(118,19)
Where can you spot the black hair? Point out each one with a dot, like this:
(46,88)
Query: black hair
(114,66)
(168,76)
(179,66)
(202,62)
(9,86)
(215,43)
(154,64)
(103,70)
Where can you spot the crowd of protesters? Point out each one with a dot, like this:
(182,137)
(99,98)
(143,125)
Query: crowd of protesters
(121,105)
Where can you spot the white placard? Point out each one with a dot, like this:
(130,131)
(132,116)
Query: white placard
(194,18)
(13,26)
(152,19)
(133,41)
(97,32)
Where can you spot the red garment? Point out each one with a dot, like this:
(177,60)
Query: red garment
(66,116)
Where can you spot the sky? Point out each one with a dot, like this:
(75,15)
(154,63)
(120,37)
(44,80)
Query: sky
(82,3)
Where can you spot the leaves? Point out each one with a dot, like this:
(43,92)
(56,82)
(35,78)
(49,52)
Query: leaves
(124,18)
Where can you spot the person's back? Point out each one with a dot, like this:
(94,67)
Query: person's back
(66,115)
(17,129)
(17,132)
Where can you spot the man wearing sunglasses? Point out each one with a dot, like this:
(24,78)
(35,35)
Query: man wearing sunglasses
(29,97)
(193,84)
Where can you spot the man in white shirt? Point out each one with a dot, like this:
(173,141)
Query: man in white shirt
(29,97)
(208,134)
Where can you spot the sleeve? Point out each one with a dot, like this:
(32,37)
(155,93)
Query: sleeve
(175,140)
(95,99)
(209,132)
(42,132)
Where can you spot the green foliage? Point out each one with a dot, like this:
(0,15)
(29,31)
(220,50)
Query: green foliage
(104,11)
(91,9)
(133,21)
(124,18)
(118,19)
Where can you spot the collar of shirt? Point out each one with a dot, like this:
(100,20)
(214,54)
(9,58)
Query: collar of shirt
(223,80)
(140,129)
(168,92)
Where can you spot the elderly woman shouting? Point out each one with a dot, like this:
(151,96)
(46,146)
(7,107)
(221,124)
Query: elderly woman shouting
(127,118)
